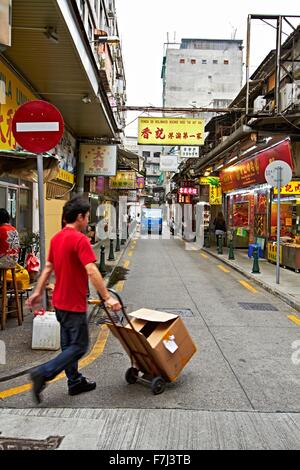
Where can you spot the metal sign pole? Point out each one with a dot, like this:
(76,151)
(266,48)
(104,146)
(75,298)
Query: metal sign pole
(40,169)
(279,170)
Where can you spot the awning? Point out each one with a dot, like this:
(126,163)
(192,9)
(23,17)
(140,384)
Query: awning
(24,165)
(63,72)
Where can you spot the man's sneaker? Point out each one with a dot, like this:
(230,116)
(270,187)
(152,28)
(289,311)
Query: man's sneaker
(83,386)
(38,385)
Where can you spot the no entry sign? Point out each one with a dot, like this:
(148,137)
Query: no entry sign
(38,126)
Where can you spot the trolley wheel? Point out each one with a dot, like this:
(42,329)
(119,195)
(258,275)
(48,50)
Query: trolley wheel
(158,385)
(131,375)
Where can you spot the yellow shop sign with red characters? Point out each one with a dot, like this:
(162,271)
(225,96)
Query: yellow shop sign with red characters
(13,93)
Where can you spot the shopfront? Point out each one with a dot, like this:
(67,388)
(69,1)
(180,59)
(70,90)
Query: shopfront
(249,201)
(289,226)
(248,215)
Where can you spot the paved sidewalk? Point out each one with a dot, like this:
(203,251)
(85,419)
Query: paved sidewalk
(288,289)
(20,358)
(150,429)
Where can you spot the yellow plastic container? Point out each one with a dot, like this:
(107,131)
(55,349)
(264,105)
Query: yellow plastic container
(22,277)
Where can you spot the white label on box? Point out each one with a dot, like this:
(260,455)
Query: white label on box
(170,344)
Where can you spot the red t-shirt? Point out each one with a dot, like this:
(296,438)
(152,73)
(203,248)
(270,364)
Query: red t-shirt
(70,251)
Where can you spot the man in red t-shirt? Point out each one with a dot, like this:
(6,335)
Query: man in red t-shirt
(72,259)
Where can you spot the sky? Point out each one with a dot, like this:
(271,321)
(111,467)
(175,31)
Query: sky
(144,25)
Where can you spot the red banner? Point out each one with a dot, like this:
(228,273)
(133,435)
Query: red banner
(252,171)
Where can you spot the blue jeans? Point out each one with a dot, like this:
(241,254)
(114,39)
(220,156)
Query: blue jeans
(74,340)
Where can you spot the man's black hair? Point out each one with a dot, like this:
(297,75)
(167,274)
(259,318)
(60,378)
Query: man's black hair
(72,209)
(4,216)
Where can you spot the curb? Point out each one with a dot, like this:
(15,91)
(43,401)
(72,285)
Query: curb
(19,372)
(285,298)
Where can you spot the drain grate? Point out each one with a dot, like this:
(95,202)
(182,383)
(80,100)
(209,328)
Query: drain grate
(183,312)
(51,443)
(258,306)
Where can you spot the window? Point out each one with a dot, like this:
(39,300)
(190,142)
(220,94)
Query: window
(193,61)
(204,61)
(215,61)
(226,61)
(182,61)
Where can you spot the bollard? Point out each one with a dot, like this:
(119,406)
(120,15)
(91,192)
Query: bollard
(255,254)
(206,239)
(111,256)
(230,251)
(102,267)
(220,244)
(118,248)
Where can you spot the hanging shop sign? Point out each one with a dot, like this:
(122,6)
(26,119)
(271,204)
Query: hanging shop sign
(140,182)
(170,131)
(13,94)
(99,160)
(213,180)
(215,195)
(252,171)
(123,180)
(168,163)
(189,152)
(65,176)
(290,189)
(189,191)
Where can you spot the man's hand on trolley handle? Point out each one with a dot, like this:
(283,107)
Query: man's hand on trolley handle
(112,304)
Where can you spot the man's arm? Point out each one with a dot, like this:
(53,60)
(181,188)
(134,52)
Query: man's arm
(35,298)
(98,283)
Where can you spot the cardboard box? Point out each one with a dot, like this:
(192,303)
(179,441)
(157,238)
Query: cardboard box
(160,344)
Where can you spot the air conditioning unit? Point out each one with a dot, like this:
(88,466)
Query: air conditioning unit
(289,94)
(259,104)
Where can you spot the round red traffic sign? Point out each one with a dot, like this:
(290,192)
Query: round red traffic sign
(38,126)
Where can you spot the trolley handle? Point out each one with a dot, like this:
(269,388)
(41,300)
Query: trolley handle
(112,291)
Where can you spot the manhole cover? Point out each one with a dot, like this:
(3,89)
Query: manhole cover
(10,443)
(183,312)
(257,306)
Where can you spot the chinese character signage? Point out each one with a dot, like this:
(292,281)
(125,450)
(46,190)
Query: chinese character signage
(171,131)
(252,171)
(123,180)
(189,152)
(215,195)
(188,191)
(13,94)
(292,188)
(99,160)
(140,182)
